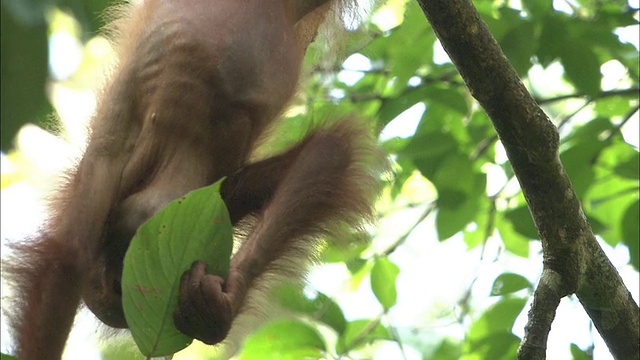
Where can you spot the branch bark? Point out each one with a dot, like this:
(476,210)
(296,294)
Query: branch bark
(573,261)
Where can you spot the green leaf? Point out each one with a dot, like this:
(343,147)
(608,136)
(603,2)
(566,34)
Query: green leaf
(538,8)
(447,350)
(480,131)
(350,246)
(394,106)
(507,283)
(284,340)
(361,332)
(455,173)
(451,199)
(7,357)
(522,222)
(383,282)
(451,99)
(356,265)
(429,150)
(23,64)
(512,239)
(319,307)
(596,225)
(582,66)
(497,319)
(590,131)
(519,46)
(499,20)
(484,226)
(579,354)
(631,234)
(628,168)
(460,194)
(402,60)
(613,106)
(607,201)
(578,162)
(611,193)
(552,38)
(501,345)
(194,227)
(450,221)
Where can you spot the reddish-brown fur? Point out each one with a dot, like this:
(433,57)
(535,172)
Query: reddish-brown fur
(196,87)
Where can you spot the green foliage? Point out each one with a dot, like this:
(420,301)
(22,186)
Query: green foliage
(579,354)
(300,342)
(490,337)
(194,227)
(447,350)
(383,282)
(508,283)
(361,332)
(7,357)
(23,64)
(320,308)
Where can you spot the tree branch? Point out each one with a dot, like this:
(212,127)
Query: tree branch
(573,260)
(631,92)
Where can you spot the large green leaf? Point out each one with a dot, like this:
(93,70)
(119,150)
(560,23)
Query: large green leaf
(194,227)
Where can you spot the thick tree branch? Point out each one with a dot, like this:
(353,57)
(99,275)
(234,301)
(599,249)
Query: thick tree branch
(573,260)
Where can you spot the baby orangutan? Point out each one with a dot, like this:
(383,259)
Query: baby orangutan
(197,84)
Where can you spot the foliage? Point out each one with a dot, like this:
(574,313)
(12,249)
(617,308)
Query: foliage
(7,357)
(450,181)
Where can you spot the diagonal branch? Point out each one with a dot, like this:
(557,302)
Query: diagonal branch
(573,260)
